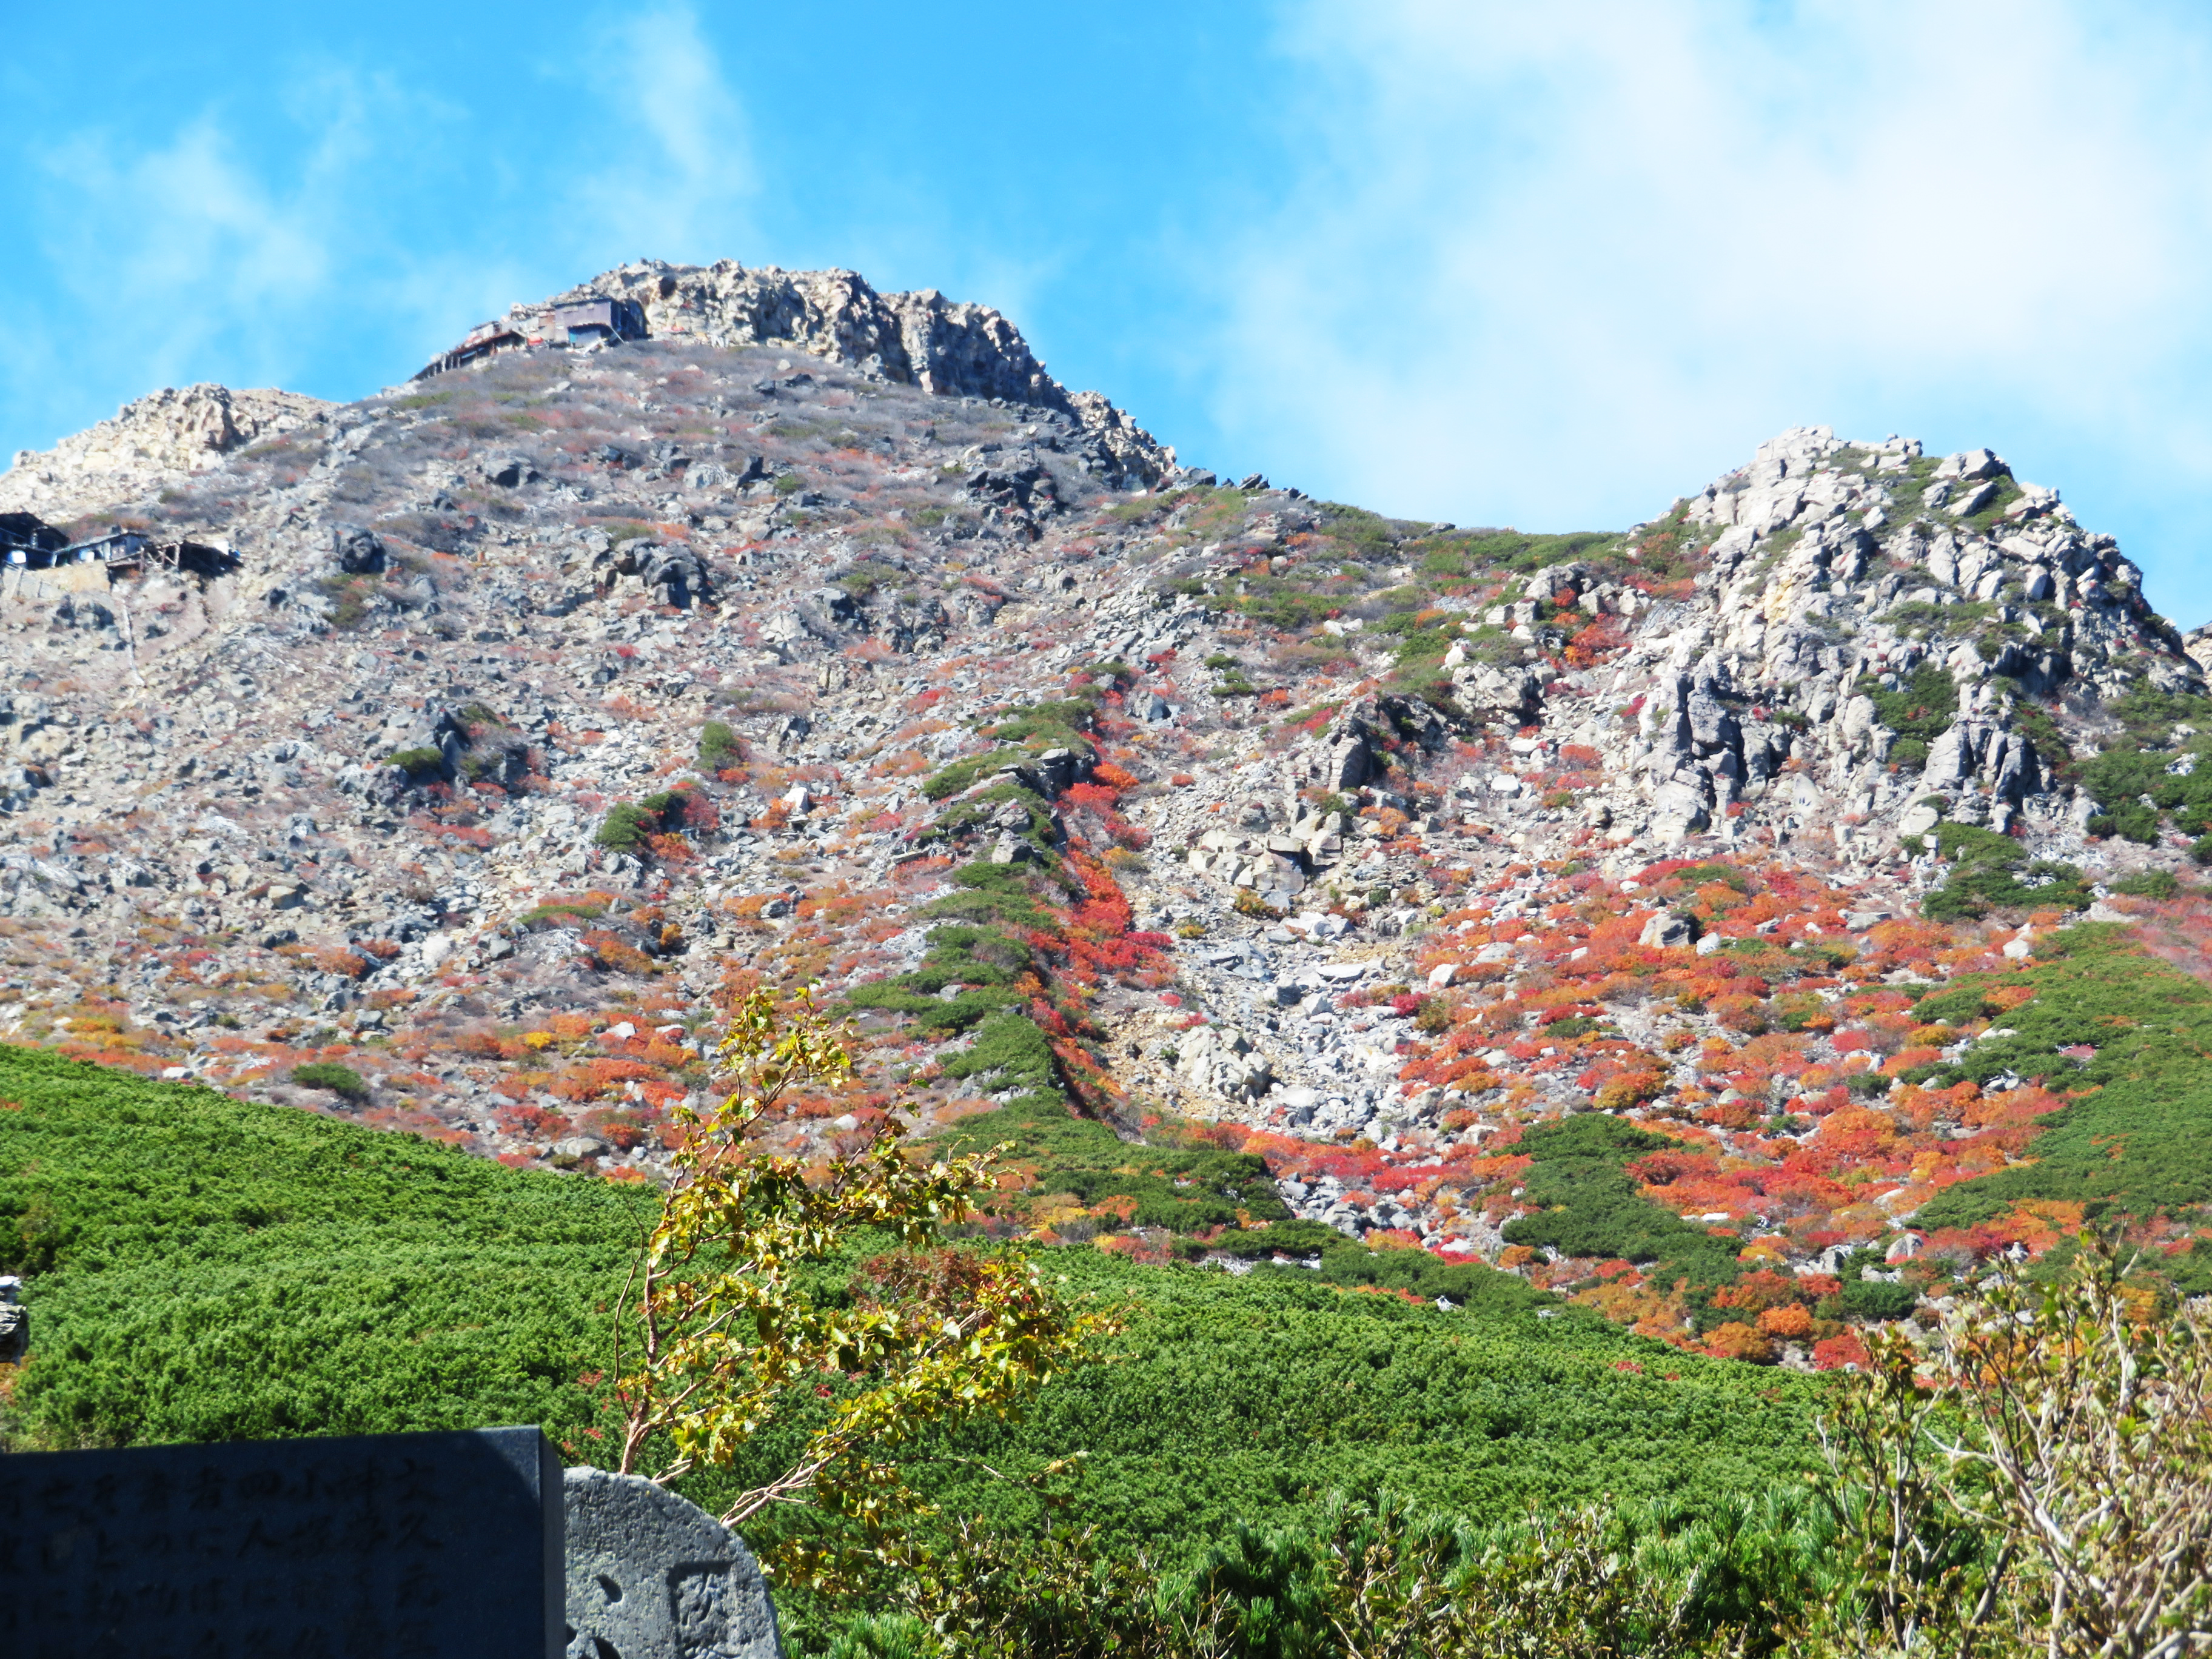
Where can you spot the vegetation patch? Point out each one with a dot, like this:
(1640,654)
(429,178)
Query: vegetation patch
(2125,1039)
(340,1080)
(1590,1206)
(1992,872)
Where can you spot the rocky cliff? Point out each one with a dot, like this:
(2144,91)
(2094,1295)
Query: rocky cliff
(920,339)
(821,638)
(150,443)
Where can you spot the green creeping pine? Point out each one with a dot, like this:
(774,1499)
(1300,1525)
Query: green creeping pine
(732,1334)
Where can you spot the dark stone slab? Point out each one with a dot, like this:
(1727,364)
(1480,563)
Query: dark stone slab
(385,1545)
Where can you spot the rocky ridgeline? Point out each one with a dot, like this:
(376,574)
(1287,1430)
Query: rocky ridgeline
(168,435)
(559,698)
(920,339)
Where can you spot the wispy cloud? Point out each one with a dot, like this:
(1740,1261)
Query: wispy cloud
(1554,264)
(674,178)
(224,247)
(331,235)
(174,244)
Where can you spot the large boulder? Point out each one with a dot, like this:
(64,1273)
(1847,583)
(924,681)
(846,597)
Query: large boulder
(1679,809)
(1954,756)
(1221,1062)
(1492,693)
(359,551)
(653,1576)
(678,573)
(1668,930)
(14,1323)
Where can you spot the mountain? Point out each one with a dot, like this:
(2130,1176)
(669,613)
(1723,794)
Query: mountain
(1678,917)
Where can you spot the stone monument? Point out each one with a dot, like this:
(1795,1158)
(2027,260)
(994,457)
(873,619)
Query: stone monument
(15,1322)
(427,1545)
(653,1576)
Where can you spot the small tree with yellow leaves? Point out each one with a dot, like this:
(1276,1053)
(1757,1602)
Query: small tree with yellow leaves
(732,1338)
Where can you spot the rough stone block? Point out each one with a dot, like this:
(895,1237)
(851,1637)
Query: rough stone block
(653,1576)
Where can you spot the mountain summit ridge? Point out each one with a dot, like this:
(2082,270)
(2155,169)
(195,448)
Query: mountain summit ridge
(920,338)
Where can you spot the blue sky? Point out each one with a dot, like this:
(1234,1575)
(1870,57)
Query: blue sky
(1541,265)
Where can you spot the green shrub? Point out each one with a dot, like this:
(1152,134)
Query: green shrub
(951,779)
(626,827)
(1060,725)
(327,1074)
(2136,822)
(719,749)
(1987,874)
(350,1280)
(2118,777)
(2149,884)
(1922,709)
(1589,1206)
(421,763)
(1877,1299)
(2124,1036)
(1702,875)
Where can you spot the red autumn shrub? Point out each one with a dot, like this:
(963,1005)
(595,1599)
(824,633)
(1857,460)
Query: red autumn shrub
(1837,1353)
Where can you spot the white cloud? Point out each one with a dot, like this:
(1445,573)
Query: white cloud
(229,249)
(1553,265)
(175,243)
(243,245)
(675,177)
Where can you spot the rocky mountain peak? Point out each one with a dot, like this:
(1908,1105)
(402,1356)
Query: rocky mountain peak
(922,339)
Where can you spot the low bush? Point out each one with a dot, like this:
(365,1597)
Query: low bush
(625,828)
(719,749)
(421,764)
(342,1080)
(1992,872)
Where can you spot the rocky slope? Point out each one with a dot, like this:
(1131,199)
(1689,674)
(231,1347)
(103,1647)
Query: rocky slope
(823,638)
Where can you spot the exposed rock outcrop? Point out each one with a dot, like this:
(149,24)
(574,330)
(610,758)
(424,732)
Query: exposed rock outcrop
(150,441)
(920,338)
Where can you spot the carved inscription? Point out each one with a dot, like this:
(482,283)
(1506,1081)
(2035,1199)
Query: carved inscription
(400,1546)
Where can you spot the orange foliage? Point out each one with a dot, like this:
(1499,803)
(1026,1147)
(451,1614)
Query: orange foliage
(1736,1340)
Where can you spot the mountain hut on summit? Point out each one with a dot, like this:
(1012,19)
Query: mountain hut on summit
(599,318)
(582,323)
(484,340)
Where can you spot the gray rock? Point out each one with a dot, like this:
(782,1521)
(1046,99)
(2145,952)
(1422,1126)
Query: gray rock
(1667,931)
(1347,764)
(653,1576)
(359,551)
(1975,499)
(1916,822)
(1499,693)
(1970,464)
(1679,810)
(1222,1062)
(2008,766)
(1012,849)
